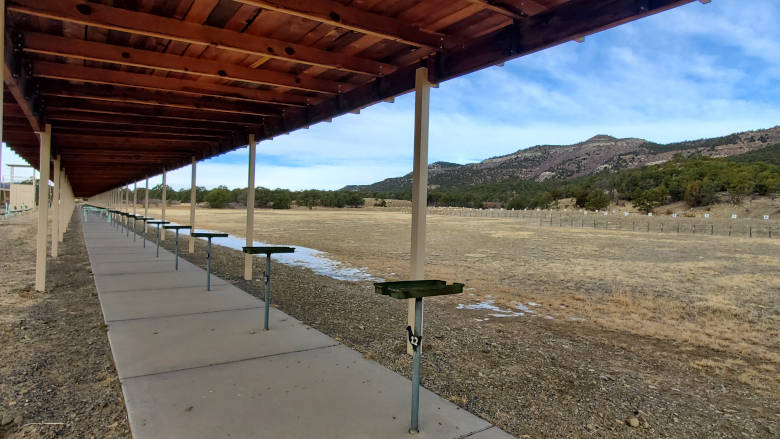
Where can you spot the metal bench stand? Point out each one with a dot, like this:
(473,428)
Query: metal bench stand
(268,251)
(416,289)
(177,228)
(158,223)
(208,236)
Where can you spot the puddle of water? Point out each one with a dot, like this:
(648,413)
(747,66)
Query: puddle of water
(315,260)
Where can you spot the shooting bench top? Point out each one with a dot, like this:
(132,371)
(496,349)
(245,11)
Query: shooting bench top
(209,235)
(416,289)
(158,222)
(268,250)
(177,227)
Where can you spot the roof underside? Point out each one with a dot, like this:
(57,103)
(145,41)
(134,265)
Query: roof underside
(132,87)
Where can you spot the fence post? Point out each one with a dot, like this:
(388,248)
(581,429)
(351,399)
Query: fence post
(750,231)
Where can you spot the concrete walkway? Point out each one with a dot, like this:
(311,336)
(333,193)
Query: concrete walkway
(197,364)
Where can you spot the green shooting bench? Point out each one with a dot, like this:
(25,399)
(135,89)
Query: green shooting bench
(158,223)
(177,228)
(208,236)
(268,251)
(417,290)
(144,219)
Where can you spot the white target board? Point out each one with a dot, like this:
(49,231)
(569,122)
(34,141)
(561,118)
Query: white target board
(766,217)
(649,213)
(625,213)
(706,215)
(674,215)
(733,216)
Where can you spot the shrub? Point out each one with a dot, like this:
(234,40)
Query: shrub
(597,200)
(219,197)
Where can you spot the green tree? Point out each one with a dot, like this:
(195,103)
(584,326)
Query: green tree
(652,198)
(219,197)
(281,200)
(597,200)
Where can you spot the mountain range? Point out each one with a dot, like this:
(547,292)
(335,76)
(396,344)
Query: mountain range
(597,154)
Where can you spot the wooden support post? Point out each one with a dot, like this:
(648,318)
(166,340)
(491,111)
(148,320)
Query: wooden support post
(422,98)
(146,204)
(55,208)
(164,202)
(193,201)
(43,209)
(64,204)
(250,208)
(135,197)
(2,95)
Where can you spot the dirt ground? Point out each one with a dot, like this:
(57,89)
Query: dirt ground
(621,334)
(57,376)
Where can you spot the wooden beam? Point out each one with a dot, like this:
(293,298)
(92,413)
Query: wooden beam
(138,130)
(132,120)
(51,70)
(43,209)
(517,9)
(137,134)
(359,20)
(250,207)
(139,23)
(112,107)
(146,97)
(87,50)
(16,89)
(422,103)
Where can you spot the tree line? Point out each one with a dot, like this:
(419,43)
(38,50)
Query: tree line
(221,196)
(697,180)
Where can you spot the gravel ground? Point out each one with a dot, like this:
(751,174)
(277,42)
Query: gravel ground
(533,377)
(57,376)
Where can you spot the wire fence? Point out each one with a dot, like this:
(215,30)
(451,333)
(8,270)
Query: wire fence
(762,227)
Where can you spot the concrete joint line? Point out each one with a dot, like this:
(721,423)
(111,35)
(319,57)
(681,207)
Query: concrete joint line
(260,357)
(475,432)
(165,316)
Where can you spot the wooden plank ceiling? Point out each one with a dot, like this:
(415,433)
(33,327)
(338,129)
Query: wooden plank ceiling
(134,86)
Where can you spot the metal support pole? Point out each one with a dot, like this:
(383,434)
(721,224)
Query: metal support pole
(158,241)
(193,201)
(143,235)
(419,186)
(134,228)
(43,209)
(267,277)
(250,208)
(208,265)
(418,309)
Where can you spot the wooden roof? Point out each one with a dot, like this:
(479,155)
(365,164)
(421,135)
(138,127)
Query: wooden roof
(134,86)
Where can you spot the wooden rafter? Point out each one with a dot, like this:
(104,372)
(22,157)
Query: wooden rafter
(88,50)
(145,97)
(109,107)
(107,17)
(73,72)
(353,18)
(512,8)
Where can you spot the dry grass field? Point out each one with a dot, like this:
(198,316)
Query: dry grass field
(701,291)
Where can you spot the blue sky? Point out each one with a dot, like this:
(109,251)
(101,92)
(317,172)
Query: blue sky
(691,72)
